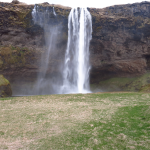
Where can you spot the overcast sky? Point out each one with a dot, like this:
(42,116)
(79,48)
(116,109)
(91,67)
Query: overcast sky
(80,3)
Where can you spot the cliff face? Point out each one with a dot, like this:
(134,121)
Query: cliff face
(120,46)
(121,41)
(22,42)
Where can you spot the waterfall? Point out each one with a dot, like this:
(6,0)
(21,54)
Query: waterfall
(77,66)
(45,17)
(54,12)
(74,74)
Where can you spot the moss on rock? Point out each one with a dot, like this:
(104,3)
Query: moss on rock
(5,88)
(10,55)
(145,88)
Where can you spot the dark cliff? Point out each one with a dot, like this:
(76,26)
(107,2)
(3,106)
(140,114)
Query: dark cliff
(120,45)
(22,41)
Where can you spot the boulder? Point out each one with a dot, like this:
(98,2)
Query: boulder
(5,88)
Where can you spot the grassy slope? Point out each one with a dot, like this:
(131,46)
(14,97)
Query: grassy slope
(123,84)
(90,121)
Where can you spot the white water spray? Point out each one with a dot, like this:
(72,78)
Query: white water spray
(77,66)
(54,12)
(45,18)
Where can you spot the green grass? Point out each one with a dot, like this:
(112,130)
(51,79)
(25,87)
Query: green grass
(77,121)
(123,84)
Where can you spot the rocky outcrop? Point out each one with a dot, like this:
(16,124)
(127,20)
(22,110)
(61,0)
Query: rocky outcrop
(120,45)
(5,88)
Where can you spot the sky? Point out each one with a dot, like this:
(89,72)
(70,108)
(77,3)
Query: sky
(80,3)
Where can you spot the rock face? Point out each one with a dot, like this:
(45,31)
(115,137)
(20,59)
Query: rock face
(5,88)
(22,42)
(121,41)
(120,46)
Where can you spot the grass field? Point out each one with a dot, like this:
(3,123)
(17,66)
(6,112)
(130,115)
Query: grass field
(119,121)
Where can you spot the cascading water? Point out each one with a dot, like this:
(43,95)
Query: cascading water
(45,17)
(77,66)
(60,70)
(74,75)
(54,11)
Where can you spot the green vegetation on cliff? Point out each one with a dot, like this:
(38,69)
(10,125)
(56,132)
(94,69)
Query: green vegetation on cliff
(15,15)
(145,88)
(123,84)
(3,81)
(11,56)
(5,88)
